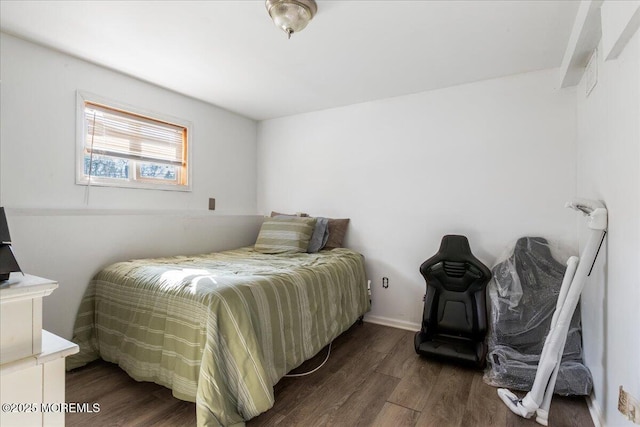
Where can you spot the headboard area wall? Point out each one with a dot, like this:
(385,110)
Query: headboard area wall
(492,160)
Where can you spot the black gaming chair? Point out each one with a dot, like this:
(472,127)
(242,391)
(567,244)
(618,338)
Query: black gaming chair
(454,322)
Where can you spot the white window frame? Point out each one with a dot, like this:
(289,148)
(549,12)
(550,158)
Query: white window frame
(81,131)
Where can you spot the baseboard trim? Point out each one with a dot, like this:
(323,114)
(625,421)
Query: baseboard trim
(595,411)
(399,324)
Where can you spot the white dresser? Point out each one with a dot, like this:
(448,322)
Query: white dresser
(32,374)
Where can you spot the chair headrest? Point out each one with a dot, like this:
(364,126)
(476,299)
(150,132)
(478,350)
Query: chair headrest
(455,249)
(454,245)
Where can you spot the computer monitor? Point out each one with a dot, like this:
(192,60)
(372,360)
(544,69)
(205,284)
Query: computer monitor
(8,262)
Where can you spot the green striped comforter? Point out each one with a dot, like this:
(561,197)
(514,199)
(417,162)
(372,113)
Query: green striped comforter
(219,329)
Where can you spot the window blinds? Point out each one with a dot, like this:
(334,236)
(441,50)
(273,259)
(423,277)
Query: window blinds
(126,135)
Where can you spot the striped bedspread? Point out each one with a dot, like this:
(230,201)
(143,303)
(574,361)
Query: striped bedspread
(219,329)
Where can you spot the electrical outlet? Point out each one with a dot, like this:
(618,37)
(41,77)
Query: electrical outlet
(629,406)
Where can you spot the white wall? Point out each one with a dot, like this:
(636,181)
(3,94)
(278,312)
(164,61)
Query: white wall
(608,130)
(57,235)
(493,160)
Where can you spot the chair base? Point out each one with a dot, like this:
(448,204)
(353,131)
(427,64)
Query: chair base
(460,350)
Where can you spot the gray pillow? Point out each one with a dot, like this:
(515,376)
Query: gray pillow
(320,235)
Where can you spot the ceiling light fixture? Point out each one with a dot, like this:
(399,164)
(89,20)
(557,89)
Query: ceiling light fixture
(291,15)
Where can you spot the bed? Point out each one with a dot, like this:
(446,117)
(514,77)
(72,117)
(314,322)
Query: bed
(220,329)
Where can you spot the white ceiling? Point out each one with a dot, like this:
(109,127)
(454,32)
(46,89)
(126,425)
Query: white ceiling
(230,54)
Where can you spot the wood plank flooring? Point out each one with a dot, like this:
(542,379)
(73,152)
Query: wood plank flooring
(372,378)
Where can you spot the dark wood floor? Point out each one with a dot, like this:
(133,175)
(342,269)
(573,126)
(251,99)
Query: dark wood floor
(373,378)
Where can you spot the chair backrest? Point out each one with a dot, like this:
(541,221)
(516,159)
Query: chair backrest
(527,285)
(456,281)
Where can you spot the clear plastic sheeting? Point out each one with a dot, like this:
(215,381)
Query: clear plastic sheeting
(522,298)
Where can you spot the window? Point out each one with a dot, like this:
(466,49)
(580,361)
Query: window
(124,147)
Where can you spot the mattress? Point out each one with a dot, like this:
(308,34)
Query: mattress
(219,329)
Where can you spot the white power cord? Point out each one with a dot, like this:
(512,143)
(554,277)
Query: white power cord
(302,374)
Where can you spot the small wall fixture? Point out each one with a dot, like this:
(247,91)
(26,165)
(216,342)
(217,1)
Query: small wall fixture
(291,15)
